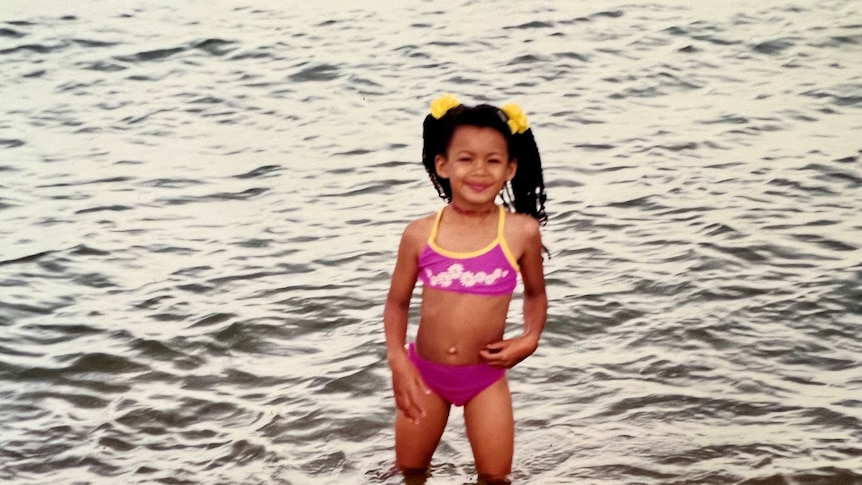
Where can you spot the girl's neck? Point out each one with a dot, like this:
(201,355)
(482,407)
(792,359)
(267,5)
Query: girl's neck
(472,212)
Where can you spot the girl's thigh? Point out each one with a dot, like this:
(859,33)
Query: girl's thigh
(415,442)
(491,429)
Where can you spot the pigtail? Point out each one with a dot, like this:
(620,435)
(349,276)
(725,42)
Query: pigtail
(434,143)
(436,131)
(526,193)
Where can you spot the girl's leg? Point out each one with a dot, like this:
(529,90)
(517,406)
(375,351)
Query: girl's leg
(415,442)
(491,429)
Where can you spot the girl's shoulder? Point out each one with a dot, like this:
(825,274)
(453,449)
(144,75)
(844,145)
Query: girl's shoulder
(522,225)
(522,233)
(418,231)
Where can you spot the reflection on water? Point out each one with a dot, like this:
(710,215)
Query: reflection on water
(200,206)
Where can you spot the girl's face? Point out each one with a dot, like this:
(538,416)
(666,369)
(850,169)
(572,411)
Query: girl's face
(477,165)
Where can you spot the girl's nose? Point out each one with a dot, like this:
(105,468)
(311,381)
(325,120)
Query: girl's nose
(482,167)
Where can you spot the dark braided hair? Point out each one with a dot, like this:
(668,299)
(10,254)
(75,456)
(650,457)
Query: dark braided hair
(526,192)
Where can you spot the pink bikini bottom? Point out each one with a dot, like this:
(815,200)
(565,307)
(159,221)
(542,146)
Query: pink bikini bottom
(456,384)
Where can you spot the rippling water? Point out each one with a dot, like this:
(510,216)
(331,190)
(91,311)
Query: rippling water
(200,204)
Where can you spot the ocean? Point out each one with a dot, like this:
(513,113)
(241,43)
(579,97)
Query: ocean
(201,202)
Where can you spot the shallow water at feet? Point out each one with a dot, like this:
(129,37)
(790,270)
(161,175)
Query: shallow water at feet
(200,206)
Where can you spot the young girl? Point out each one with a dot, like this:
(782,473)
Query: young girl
(468,256)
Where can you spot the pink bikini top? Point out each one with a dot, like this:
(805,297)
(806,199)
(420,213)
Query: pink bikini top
(491,270)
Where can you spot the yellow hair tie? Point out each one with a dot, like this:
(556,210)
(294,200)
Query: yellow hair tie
(517,118)
(443,104)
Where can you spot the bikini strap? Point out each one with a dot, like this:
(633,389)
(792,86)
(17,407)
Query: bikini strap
(501,239)
(433,237)
(501,224)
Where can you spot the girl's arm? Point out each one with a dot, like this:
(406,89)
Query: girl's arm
(395,313)
(406,382)
(533,275)
(507,353)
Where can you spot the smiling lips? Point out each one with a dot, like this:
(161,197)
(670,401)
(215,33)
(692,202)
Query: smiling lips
(477,187)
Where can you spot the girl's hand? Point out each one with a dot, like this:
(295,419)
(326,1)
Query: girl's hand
(408,387)
(508,353)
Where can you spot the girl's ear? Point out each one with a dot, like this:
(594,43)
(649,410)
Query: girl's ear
(512,169)
(441,165)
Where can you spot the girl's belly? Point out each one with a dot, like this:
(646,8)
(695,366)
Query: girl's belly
(454,327)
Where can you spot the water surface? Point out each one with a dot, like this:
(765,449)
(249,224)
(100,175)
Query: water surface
(200,205)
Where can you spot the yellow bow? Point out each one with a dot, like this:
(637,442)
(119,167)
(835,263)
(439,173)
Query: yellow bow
(441,105)
(517,118)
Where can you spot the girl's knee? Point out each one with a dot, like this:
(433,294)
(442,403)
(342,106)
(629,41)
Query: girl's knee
(494,470)
(411,467)
(415,442)
(413,456)
(494,479)
(490,428)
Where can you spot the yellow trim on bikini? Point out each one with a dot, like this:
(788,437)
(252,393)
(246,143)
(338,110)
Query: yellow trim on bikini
(500,239)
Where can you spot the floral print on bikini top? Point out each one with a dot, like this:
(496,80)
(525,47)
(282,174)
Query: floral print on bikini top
(489,271)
